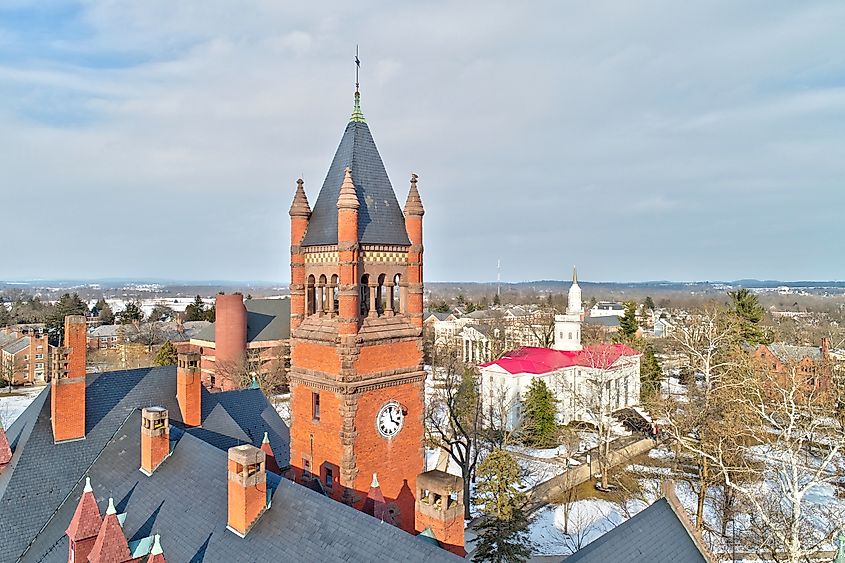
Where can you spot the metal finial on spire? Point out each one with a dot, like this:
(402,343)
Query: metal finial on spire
(357,114)
(574,275)
(357,67)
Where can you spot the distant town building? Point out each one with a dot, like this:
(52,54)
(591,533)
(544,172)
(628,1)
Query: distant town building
(110,337)
(813,363)
(24,357)
(607,309)
(247,336)
(598,378)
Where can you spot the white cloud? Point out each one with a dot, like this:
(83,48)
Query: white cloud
(527,126)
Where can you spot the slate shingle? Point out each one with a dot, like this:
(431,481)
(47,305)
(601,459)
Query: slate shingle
(380,218)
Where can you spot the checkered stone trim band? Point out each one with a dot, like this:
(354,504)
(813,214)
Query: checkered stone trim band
(383,256)
(321,258)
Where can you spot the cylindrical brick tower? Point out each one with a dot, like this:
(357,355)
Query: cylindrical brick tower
(347,254)
(229,336)
(414,225)
(299,212)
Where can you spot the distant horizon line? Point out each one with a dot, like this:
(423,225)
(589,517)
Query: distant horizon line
(273,283)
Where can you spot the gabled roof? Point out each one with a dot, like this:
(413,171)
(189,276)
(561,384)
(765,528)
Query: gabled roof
(539,361)
(186,497)
(655,535)
(787,353)
(266,320)
(609,321)
(17,346)
(380,218)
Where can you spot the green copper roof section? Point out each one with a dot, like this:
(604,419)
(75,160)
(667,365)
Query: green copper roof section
(357,114)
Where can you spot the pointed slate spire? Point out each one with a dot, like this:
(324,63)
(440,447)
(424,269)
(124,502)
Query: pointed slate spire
(357,114)
(300,207)
(86,521)
(375,504)
(156,553)
(111,544)
(270,457)
(413,205)
(347,199)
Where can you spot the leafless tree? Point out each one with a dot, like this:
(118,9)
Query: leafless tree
(785,446)
(454,416)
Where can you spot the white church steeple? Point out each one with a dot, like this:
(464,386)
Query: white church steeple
(568,326)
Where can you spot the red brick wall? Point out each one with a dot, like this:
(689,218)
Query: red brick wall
(326,447)
(397,460)
(450,533)
(317,357)
(76,333)
(386,357)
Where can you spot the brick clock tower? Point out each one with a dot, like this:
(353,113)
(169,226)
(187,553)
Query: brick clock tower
(357,373)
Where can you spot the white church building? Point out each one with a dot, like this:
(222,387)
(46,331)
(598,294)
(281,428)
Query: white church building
(588,382)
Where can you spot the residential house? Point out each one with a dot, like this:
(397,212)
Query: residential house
(607,309)
(813,363)
(24,358)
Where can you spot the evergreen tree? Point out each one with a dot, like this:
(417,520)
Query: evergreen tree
(104,312)
(538,412)
(167,355)
(650,375)
(66,305)
(502,534)
(628,324)
(210,314)
(649,303)
(161,313)
(5,316)
(497,300)
(748,312)
(131,313)
(196,311)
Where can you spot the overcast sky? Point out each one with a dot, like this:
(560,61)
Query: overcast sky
(638,140)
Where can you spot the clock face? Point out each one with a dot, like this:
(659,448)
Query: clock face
(389,419)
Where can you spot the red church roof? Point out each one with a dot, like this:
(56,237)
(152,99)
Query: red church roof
(544,360)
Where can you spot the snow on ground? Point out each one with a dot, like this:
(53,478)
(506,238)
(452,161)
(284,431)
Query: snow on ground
(672,387)
(282,405)
(548,453)
(12,406)
(588,520)
(662,453)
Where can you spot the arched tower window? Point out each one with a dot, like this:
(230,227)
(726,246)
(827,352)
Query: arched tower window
(333,294)
(365,295)
(380,295)
(322,290)
(395,294)
(310,296)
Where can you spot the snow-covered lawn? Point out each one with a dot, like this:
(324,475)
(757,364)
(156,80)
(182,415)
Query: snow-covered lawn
(282,406)
(588,520)
(12,406)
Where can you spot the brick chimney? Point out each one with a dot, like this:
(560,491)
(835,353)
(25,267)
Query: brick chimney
(229,336)
(84,526)
(111,545)
(248,494)
(440,509)
(155,438)
(189,388)
(67,389)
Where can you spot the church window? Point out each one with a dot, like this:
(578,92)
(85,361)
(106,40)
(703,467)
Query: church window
(315,406)
(329,477)
(306,468)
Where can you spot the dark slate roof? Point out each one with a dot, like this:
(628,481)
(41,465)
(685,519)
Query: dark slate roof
(380,218)
(266,320)
(185,500)
(655,535)
(608,320)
